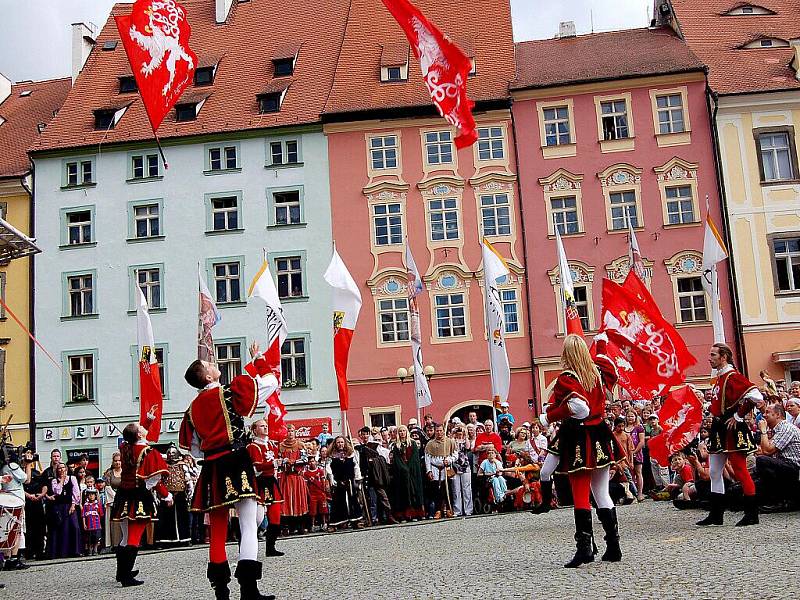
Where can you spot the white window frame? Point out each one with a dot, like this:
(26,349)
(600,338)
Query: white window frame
(396,309)
(393,237)
(291,357)
(449,308)
(493,208)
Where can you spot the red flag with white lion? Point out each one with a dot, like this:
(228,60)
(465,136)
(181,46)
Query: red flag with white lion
(445,68)
(156,39)
(680,416)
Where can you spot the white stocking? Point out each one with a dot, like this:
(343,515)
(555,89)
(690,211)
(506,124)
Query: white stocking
(124,526)
(260,511)
(600,481)
(717,467)
(549,467)
(246,510)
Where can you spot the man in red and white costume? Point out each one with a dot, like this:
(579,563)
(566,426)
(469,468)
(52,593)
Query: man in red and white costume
(732,397)
(264,454)
(213,429)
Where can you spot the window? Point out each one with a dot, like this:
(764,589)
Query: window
(787,263)
(777,155)
(127,84)
(223,158)
(510,310)
(443,215)
(79,227)
(79,173)
(204,76)
(269,103)
(284,152)
(287,207)
(225,213)
(283,66)
(80,290)
(680,205)
(149,281)
(383,152)
(557,126)
(394,318)
(104,119)
(186,112)
(581,297)
(227,282)
(565,214)
(614,119)
(670,113)
(450,316)
(229,361)
(383,419)
(289,270)
(439,147)
(144,166)
(387,220)
(81,377)
(623,209)
(394,74)
(491,143)
(691,300)
(495,215)
(146,221)
(293,362)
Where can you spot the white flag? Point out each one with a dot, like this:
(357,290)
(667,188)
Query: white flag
(714,252)
(635,262)
(422,391)
(263,287)
(494,268)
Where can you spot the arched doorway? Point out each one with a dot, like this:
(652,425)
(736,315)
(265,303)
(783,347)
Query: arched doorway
(482,407)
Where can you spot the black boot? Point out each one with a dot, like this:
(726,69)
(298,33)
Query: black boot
(273,531)
(127,576)
(750,512)
(123,567)
(714,517)
(547,498)
(219,574)
(583,539)
(608,517)
(248,572)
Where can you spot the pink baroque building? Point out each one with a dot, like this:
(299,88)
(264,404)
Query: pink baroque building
(610,127)
(395,175)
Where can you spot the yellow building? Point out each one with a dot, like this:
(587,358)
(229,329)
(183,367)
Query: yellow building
(25,109)
(754,84)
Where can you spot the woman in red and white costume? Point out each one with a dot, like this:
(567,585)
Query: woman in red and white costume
(585,447)
(143,470)
(264,454)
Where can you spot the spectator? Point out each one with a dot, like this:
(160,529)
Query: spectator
(173,524)
(504,431)
(318,489)
(440,454)
(682,486)
(293,486)
(324,437)
(428,420)
(461,482)
(406,468)
(79,473)
(92,512)
(770,389)
(779,463)
(344,476)
(520,445)
(113,478)
(504,414)
(539,441)
(637,434)
(472,418)
(625,442)
(65,499)
(35,490)
(13,478)
(793,412)
(485,441)
(55,460)
(491,468)
(660,474)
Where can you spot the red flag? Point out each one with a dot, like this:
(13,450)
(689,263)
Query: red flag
(445,68)
(633,367)
(156,39)
(680,416)
(632,319)
(151,400)
(276,411)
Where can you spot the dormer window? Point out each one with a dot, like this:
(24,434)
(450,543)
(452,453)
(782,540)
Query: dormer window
(186,112)
(204,76)
(269,103)
(394,74)
(127,84)
(104,119)
(766,42)
(394,63)
(283,67)
(748,10)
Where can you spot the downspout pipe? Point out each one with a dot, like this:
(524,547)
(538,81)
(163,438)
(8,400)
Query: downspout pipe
(712,104)
(31,317)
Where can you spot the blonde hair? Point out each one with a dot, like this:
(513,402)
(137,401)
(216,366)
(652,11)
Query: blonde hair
(575,357)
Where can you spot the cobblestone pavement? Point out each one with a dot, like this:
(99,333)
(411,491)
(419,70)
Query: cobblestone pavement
(503,556)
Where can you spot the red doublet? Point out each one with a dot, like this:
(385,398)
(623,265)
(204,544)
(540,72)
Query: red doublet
(263,454)
(148,464)
(567,387)
(727,396)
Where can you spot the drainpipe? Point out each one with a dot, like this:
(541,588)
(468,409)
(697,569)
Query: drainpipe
(713,97)
(31,322)
(524,258)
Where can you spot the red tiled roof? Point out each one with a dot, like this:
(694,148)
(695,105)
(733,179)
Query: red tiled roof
(253,35)
(22,116)
(717,40)
(370,27)
(602,57)
(393,54)
(277,85)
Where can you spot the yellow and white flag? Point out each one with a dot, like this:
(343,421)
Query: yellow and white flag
(494,268)
(714,252)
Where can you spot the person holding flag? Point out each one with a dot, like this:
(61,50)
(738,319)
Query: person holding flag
(585,446)
(732,397)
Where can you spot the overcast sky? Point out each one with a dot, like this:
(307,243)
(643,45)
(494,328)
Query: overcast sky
(35,34)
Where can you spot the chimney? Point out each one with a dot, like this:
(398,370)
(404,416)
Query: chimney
(566,29)
(223,8)
(795,43)
(83,35)
(662,13)
(5,88)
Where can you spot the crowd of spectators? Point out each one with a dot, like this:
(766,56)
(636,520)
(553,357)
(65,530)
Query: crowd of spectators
(414,472)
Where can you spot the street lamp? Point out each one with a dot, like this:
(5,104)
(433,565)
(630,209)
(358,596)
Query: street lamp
(403,373)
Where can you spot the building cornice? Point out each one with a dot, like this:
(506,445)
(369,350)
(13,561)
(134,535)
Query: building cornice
(605,85)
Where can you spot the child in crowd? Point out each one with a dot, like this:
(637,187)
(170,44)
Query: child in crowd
(492,468)
(682,486)
(317,483)
(539,441)
(93,512)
